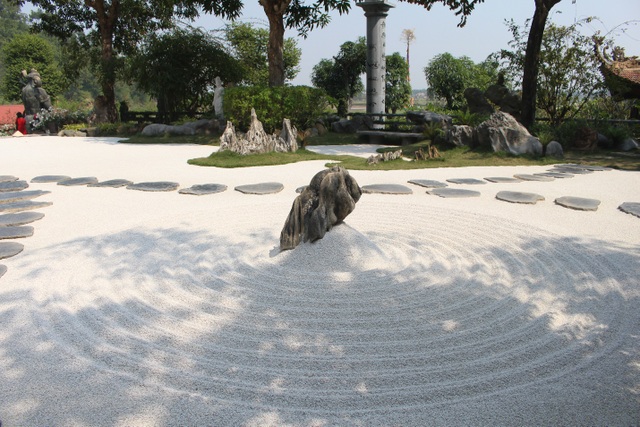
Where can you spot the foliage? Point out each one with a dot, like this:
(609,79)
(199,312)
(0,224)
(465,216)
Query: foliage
(24,52)
(300,104)
(179,69)
(340,77)
(448,77)
(59,117)
(466,117)
(398,88)
(568,74)
(248,45)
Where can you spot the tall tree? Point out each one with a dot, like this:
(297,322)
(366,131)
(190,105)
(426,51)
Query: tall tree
(408,36)
(116,27)
(398,88)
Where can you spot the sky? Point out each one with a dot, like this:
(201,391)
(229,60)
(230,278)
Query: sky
(436,31)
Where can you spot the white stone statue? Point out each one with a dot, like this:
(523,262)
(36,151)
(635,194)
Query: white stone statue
(217,98)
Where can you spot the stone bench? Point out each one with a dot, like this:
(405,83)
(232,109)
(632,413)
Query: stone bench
(382,136)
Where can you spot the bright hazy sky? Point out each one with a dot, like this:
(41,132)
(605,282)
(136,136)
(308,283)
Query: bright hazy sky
(436,30)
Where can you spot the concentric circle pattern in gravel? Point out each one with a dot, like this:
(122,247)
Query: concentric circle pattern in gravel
(371,325)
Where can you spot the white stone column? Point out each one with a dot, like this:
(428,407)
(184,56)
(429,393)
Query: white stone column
(376,11)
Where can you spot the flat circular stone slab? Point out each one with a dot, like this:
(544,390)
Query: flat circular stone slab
(13,186)
(15,196)
(428,183)
(113,183)
(468,181)
(26,205)
(453,193)
(9,249)
(3,269)
(50,178)
(85,180)
(571,170)
(203,189)
(386,189)
(528,177)
(16,232)
(262,188)
(519,197)
(154,186)
(8,178)
(502,179)
(632,208)
(555,175)
(578,203)
(21,218)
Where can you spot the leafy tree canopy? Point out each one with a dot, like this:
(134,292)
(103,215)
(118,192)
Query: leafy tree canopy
(398,88)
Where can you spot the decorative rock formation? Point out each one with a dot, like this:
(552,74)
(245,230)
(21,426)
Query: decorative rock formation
(256,139)
(554,149)
(331,195)
(384,157)
(502,132)
(460,135)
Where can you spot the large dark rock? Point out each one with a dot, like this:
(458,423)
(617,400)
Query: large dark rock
(327,200)
(477,102)
(502,132)
(428,117)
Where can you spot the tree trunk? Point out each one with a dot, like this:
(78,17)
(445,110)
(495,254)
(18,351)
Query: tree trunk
(531,60)
(275,10)
(106,23)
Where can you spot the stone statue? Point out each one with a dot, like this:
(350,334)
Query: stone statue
(34,97)
(218,93)
(331,195)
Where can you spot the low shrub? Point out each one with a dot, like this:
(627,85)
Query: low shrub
(300,104)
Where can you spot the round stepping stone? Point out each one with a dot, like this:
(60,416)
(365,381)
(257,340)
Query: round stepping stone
(8,178)
(114,183)
(468,181)
(85,180)
(428,183)
(26,205)
(50,178)
(9,249)
(528,177)
(19,218)
(502,179)
(13,186)
(154,186)
(3,269)
(632,208)
(578,203)
(555,174)
(203,189)
(386,189)
(596,168)
(262,188)
(519,197)
(453,192)
(16,232)
(16,196)
(571,170)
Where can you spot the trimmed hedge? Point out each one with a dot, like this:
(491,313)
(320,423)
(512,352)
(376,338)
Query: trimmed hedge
(300,104)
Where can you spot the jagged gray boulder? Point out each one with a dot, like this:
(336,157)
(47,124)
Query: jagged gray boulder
(460,135)
(428,117)
(331,195)
(628,145)
(477,102)
(256,140)
(502,132)
(356,123)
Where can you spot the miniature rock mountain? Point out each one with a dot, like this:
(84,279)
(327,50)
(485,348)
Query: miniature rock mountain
(327,200)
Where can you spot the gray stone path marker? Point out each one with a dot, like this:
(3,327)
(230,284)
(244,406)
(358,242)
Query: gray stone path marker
(154,186)
(529,177)
(16,232)
(49,178)
(428,183)
(15,196)
(555,175)
(519,197)
(571,170)
(8,178)
(467,181)
(502,179)
(578,203)
(85,180)
(261,188)
(113,183)
(632,208)
(453,193)
(9,249)
(203,189)
(20,218)
(27,205)
(13,186)
(3,269)
(386,189)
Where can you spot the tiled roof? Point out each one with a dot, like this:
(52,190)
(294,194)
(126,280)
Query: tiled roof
(8,113)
